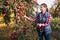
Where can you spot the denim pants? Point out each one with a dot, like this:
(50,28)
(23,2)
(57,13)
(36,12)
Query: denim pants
(43,34)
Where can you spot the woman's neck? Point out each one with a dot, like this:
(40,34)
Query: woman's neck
(43,12)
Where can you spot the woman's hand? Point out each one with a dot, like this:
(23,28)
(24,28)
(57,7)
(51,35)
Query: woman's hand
(25,16)
(39,25)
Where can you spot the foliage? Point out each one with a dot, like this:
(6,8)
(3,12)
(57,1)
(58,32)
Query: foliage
(55,9)
(23,28)
(56,23)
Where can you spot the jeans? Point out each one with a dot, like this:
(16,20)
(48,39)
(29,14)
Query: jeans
(43,34)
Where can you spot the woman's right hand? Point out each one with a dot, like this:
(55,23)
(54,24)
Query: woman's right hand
(25,16)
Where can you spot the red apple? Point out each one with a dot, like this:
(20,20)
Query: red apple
(6,1)
(15,0)
(18,7)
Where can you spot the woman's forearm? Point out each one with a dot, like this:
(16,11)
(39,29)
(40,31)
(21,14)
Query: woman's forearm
(31,19)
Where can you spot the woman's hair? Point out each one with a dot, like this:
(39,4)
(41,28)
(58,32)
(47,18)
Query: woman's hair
(45,5)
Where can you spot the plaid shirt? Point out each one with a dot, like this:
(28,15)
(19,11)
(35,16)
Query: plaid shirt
(45,24)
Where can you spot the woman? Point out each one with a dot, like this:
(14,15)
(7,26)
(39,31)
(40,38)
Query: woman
(43,22)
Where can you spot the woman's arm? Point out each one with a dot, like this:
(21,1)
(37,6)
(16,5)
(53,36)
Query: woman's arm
(31,19)
(48,21)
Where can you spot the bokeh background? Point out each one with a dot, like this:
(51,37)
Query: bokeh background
(14,27)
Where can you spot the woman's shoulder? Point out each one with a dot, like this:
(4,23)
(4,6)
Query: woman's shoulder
(49,14)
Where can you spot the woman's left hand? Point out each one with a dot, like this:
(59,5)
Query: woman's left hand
(38,24)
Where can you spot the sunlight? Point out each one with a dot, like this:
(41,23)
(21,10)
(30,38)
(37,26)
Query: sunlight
(48,2)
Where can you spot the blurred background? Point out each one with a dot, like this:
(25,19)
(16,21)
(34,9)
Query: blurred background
(14,27)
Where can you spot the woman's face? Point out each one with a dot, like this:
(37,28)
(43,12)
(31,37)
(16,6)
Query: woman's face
(42,8)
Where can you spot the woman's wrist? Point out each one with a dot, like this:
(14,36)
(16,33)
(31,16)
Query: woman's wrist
(40,24)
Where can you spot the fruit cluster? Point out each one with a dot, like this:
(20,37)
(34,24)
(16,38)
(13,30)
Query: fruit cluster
(19,10)
(13,35)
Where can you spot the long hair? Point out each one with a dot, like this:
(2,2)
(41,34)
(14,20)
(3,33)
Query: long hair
(45,5)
